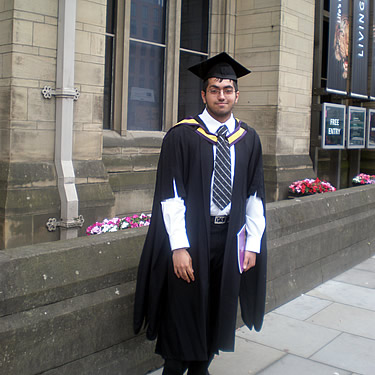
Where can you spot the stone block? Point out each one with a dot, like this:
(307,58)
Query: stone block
(90,169)
(266,39)
(26,145)
(288,60)
(115,360)
(128,163)
(4,143)
(287,99)
(34,17)
(39,174)
(257,21)
(132,180)
(301,146)
(259,59)
(23,32)
(6,32)
(307,27)
(134,201)
(97,113)
(30,278)
(294,80)
(93,144)
(34,67)
(6,65)
(29,201)
(83,108)
(90,74)
(50,20)
(47,52)
(91,13)
(19,103)
(45,7)
(297,42)
(304,7)
(82,42)
(270,78)
(259,97)
(45,35)
(95,196)
(97,44)
(17,229)
(4,103)
(245,5)
(58,329)
(290,21)
(261,4)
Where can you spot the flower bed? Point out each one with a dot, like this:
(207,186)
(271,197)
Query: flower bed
(115,224)
(363,179)
(309,186)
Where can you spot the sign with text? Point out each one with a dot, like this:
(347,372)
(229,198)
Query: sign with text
(360,47)
(338,47)
(372,85)
(370,136)
(356,127)
(333,126)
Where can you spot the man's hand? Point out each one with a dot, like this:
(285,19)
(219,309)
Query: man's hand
(249,260)
(183,265)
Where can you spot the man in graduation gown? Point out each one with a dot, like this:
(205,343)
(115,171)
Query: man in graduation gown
(192,270)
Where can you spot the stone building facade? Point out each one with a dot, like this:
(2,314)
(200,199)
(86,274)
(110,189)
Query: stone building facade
(114,165)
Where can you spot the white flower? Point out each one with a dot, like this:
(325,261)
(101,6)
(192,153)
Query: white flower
(125,225)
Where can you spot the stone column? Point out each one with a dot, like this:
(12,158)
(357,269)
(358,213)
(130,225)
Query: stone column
(274,38)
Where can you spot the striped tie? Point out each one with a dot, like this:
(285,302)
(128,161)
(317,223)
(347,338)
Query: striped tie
(222,188)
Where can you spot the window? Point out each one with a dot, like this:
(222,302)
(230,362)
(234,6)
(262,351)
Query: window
(193,49)
(154,42)
(109,65)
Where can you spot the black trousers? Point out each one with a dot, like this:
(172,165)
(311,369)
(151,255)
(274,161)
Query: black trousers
(217,247)
(175,367)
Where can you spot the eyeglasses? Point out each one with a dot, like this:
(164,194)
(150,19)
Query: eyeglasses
(227,91)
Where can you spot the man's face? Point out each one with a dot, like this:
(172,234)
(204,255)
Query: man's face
(220,98)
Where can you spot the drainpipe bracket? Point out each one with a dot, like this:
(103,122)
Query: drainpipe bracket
(52,223)
(48,92)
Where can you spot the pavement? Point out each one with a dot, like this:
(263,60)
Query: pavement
(328,331)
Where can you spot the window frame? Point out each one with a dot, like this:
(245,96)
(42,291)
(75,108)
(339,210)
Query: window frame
(222,39)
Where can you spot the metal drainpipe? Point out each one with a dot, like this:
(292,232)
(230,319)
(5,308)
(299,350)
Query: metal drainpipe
(65,94)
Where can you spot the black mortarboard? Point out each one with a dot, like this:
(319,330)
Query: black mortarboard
(219,66)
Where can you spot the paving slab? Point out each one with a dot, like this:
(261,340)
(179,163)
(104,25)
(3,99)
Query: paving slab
(367,265)
(302,307)
(290,335)
(345,293)
(248,359)
(293,365)
(359,277)
(360,322)
(350,352)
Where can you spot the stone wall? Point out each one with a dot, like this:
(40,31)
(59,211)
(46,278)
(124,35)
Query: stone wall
(275,39)
(66,306)
(28,180)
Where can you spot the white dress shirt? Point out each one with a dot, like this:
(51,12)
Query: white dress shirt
(174,209)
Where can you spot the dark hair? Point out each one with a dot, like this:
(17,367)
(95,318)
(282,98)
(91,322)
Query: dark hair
(205,84)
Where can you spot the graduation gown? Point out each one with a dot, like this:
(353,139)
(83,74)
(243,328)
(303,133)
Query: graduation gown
(172,310)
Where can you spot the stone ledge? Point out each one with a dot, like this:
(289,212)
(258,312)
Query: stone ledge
(132,139)
(37,275)
(59,321)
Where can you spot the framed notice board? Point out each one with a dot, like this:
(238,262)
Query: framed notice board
(333,126)
(356,127)
(370,134)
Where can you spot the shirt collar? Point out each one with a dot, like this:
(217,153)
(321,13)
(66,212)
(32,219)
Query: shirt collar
(213,125)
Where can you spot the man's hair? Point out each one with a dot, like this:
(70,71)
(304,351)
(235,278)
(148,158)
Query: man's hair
(205,84)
